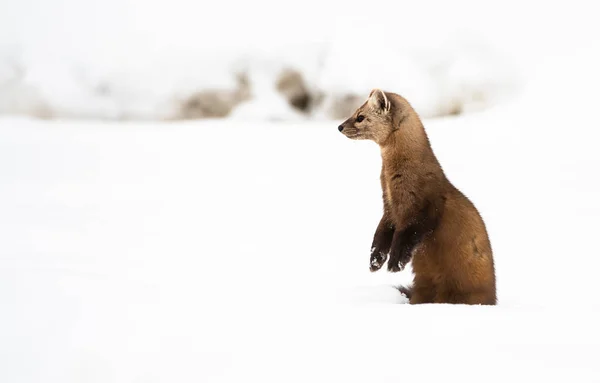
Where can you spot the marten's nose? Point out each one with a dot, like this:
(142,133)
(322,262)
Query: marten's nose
(341,127)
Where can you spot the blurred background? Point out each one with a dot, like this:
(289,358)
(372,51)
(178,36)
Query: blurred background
(275,60)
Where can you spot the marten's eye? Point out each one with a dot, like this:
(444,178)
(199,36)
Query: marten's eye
(360,118)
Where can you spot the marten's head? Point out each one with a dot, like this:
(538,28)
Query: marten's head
(377,118)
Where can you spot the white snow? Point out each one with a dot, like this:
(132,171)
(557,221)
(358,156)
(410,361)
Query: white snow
(238,250)
(139,60)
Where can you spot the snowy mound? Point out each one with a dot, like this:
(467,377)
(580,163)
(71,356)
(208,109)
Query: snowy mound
(110,61)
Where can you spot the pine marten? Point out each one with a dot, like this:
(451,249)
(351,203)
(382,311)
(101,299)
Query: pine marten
(425,218)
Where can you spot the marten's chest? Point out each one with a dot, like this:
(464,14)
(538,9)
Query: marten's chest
(391,183)
(389,193)
(396,184)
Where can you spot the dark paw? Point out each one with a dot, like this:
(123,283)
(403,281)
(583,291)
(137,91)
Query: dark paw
(396,263)
(394,267)
(377,260)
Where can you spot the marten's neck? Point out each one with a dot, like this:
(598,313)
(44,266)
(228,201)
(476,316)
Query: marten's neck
(409,145)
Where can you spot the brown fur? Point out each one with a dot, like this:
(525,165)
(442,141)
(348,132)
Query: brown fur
(424,216)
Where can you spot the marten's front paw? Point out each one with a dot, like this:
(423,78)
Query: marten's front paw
(394,267)
(397,262)
(377,259)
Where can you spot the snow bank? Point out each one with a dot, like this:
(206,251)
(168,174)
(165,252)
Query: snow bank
(145,59)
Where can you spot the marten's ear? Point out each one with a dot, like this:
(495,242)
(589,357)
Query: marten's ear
(379,101)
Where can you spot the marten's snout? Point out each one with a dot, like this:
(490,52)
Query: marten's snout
(348,129)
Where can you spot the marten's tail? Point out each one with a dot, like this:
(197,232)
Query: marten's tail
(407,291)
